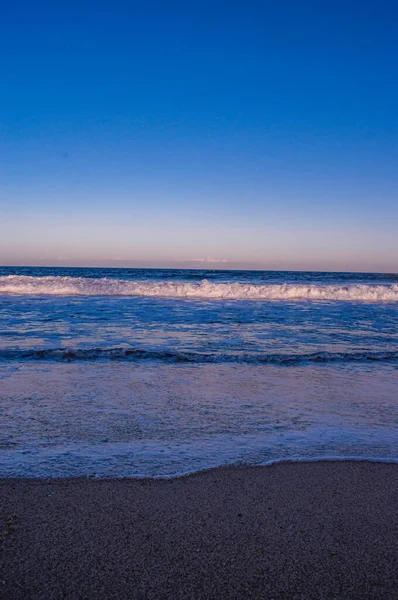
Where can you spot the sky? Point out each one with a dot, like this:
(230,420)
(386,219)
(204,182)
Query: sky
(224,134)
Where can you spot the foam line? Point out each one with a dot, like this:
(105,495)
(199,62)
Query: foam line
(80,286)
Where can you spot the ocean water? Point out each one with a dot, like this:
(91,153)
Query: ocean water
(153,372)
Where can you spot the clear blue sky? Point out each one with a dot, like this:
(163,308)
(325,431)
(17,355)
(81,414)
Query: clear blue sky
(259,133)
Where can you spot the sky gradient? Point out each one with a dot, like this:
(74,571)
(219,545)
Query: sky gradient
(226,134)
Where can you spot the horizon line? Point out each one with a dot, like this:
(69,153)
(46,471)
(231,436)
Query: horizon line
(193,268)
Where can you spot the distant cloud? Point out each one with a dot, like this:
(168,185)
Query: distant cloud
(209,259)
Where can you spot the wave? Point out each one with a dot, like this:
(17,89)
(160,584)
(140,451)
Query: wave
(83,286)
(139,354)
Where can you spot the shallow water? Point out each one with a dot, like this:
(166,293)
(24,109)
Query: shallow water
(155,419)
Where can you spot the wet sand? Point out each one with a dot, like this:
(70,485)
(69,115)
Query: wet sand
(289,530)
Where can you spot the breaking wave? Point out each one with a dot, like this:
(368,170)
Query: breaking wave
(82,286)
(139,354)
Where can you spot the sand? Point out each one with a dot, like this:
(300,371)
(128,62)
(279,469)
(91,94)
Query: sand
(293,530)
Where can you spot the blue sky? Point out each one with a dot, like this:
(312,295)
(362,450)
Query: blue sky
(157,133)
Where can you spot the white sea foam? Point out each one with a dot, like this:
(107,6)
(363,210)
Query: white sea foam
(81,286)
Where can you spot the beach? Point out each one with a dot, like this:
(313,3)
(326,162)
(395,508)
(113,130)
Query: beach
(199,301)
(326,529)
(198,435)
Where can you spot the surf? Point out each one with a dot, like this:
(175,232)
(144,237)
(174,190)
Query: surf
(85,286)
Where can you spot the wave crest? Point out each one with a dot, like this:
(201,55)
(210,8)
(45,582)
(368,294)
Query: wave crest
(82,286)
(142,354)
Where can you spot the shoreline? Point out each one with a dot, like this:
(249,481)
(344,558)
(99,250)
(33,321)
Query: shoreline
(185,474)
(286,530)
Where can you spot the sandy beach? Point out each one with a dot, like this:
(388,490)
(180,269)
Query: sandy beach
(289,530)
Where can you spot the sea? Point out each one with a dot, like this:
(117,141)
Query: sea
(110,372)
